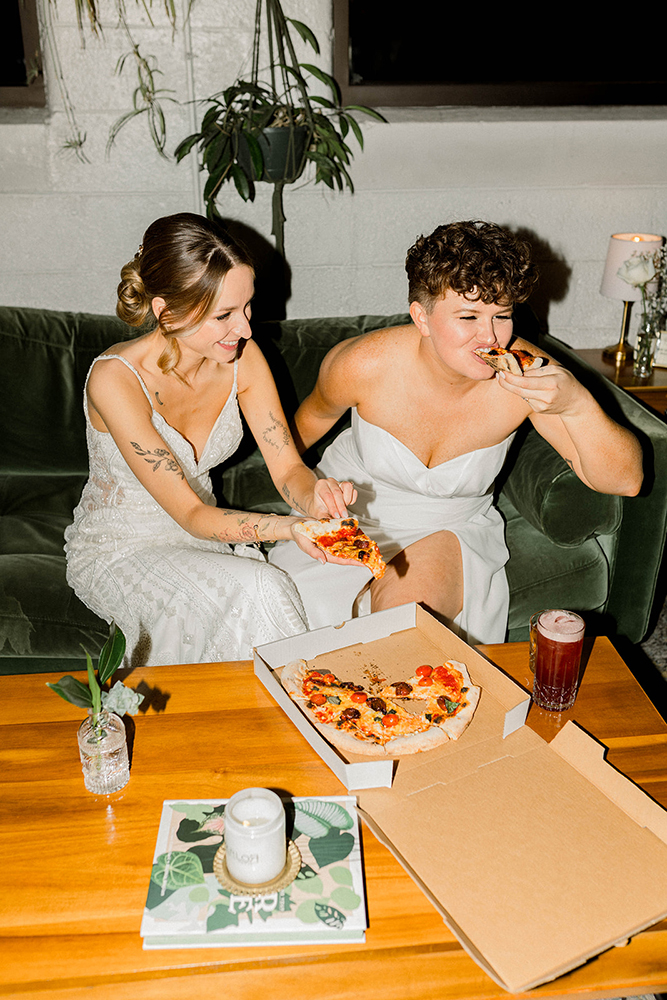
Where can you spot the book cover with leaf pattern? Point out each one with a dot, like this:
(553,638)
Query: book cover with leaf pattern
(187,907)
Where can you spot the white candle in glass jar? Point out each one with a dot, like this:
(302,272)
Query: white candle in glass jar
(255,845)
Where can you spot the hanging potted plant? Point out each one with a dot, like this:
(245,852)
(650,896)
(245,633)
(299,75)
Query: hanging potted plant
(269,129)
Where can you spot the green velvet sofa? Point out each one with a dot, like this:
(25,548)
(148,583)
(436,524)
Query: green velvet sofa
(569,547)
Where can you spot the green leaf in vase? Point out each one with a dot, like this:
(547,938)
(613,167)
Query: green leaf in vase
(73,691)
(111,654)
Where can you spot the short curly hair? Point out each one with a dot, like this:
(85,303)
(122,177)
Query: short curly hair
(477,259)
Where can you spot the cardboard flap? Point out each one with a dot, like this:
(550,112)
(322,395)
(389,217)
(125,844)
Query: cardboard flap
(525,849)
(586,754)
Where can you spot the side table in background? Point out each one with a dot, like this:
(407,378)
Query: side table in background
(652,391)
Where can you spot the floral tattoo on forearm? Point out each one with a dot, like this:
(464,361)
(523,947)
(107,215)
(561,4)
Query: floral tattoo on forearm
(243,527)
(158,458)
(276,434)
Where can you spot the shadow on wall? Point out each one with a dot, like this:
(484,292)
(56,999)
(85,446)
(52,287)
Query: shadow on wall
(273,275)
(555,274)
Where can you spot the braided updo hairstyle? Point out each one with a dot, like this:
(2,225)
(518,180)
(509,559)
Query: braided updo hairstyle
(477,259)
(183,259)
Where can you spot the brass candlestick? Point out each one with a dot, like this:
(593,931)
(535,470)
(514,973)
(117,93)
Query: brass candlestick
(621,353)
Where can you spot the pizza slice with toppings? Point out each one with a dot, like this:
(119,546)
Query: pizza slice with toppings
(447,690)
(516,362)
(344,538)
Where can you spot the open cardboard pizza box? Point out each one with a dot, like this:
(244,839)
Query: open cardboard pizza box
(538,855)
(392,643)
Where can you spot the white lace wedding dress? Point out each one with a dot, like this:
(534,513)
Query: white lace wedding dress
(178,599)
(400,501)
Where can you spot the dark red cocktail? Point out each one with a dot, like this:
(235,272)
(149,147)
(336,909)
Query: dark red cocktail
(559,638)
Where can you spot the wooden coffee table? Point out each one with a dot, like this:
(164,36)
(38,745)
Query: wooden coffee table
(75,867)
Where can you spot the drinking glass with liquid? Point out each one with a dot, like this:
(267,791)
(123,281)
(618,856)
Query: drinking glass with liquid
(557,639)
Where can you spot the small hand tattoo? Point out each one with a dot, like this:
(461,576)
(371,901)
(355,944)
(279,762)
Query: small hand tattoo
(159,457)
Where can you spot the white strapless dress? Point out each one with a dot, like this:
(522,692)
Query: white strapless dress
(400,501)
(177,598)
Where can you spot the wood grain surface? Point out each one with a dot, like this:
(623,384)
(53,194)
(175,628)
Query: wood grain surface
(76,866)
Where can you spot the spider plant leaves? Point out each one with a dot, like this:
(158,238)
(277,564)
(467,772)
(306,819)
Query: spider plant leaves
(366,111)
(354,125)
(73,691)
(323,77)
(324,101)
(256,156)
(186,146)
(306,33)
(242,183)
(217,153)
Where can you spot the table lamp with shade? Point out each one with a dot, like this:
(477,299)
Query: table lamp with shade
(622,246)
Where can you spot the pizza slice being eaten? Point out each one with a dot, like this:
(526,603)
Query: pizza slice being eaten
(516,362)
(344,538)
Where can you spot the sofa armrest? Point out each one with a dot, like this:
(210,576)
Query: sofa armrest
(550,496)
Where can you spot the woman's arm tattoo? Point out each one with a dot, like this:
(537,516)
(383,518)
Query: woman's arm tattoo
(292,501)
(159,457)
(242,527)
(276,434)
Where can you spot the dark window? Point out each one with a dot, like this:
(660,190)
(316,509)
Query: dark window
(429,53)
(21,79)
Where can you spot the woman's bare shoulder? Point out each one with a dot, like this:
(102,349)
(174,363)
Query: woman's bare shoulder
(369,352)
(111,379)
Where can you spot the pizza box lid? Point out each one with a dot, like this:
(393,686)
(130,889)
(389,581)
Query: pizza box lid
(394,642)
(537,861)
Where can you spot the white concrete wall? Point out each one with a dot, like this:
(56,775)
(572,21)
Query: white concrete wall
(67,227)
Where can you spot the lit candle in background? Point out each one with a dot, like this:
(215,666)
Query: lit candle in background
(255,845)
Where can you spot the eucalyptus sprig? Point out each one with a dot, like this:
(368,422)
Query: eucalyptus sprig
(91,695)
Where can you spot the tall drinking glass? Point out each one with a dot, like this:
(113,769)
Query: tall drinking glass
(558,642)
